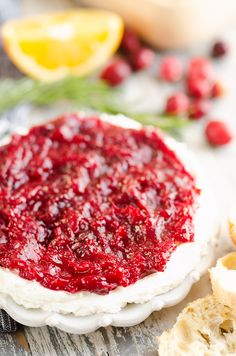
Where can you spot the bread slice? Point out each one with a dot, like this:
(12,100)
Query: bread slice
(232,228)
(223,280)
(204,328)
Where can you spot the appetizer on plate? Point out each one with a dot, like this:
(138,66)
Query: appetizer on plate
(97,212)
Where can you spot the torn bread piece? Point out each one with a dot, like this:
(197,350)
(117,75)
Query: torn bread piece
(232,228)
(223,277)
(204,328)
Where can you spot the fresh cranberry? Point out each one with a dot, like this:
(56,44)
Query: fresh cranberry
(219,49)
(218,133)
(198,87)
(198,108)
(217,90)
(177,104)
(116,72)
(142,58)
(130,42)
(200,68)
(171,69)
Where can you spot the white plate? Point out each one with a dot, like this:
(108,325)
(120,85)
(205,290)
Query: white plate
(132,314)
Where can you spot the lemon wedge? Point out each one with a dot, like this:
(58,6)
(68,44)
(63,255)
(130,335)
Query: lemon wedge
(52,46)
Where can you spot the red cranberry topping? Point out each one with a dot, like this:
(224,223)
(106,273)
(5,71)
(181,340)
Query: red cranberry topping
(219,49)
(198,108)
(171,69)
(218,133)
(177,104)
(130,42)
(116,72)
(142,58)
(87,206)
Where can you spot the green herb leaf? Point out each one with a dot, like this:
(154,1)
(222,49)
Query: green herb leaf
(82,92)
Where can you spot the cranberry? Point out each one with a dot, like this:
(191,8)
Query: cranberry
(130,42)
(217,90)
(200,68)
(116,72)
(218,133)
(171,69)
(198,109)
(142,58)
(219,49)
(177,104)
(198,87)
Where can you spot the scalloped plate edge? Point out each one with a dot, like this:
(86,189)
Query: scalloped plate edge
(131,315)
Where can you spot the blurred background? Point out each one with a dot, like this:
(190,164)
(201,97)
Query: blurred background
(173,33)
(155,80)
(165,23)
(170,28)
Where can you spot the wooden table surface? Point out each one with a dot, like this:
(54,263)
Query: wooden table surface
(220,170)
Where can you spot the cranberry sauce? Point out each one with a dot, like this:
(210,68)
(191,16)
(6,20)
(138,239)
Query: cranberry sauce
(88,206)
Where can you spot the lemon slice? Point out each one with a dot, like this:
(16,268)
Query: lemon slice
(50,47)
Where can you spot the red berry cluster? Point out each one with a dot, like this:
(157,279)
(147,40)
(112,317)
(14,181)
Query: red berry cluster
(199,81)
(200,87)
(136,57)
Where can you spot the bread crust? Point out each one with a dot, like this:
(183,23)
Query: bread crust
(223,278)
(223,296)
(207,326)
(232,229)
(204,327)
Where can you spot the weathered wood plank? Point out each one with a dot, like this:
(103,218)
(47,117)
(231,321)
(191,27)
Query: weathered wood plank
(53,342)
(39,341)
(14,344)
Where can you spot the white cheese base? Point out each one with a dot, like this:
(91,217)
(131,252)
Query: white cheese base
(184,260)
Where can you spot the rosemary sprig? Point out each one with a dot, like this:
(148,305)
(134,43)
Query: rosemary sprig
(82,92)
